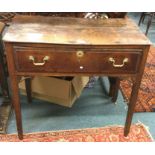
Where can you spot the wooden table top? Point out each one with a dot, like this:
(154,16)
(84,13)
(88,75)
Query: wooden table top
(66,30)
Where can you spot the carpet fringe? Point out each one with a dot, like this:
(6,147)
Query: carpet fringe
(146,128)
(112,125)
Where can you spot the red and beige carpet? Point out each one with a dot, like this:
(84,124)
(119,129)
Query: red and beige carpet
(138,133)
(146,97)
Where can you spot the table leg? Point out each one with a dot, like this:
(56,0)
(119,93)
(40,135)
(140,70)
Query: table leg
(132,103)
(142,16)
(14,88)
(114,87)
(149,24)
(28,89)
(134,93)
(16,105)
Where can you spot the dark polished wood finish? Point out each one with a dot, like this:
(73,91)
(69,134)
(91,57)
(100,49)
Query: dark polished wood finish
(69,46)
(71,63)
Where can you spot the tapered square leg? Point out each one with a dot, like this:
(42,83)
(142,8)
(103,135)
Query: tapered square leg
(28,89)
(114,87)
(132,104)
(16,105)
(14,88)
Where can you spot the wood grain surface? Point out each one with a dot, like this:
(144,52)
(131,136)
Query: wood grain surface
(59,30)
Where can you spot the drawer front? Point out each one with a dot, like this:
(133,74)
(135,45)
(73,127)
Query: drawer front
(76,61)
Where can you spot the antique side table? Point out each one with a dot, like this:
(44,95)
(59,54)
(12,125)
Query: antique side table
(57,46)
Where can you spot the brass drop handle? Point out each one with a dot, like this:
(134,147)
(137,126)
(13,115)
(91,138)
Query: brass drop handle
(125,60)
(79,54)
(46,58)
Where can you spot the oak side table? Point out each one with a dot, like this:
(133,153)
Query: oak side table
(57,46)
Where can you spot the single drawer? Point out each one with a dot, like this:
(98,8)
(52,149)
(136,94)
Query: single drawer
(76,60)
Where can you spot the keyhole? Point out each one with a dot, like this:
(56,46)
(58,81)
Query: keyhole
(81,67)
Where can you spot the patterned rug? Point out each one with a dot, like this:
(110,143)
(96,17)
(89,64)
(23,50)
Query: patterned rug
(146,97)
(5,110)
(138,133)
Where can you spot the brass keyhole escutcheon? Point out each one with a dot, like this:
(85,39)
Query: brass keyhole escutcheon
(79,54)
